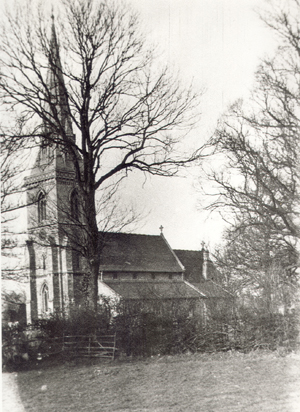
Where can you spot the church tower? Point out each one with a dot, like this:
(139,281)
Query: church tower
(52,199)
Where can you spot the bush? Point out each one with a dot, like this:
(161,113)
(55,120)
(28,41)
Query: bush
(265,330)
(78,322)
(22,343)
(145,330)
(14,345)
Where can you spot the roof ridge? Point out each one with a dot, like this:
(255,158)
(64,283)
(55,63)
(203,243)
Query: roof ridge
(144,280)
(173,252)
(195,288)
(126,233)
(187,250)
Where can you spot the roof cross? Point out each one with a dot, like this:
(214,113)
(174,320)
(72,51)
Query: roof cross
(161,229)
(52,14)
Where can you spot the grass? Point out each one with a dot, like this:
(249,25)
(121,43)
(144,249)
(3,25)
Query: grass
(203,383)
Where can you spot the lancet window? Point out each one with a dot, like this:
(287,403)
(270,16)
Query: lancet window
(45,298)
(41,207)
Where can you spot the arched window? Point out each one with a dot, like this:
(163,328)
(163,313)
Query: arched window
(74,205)
(44,262)
(41,207)
(44,151)
(75,261)
(45,298)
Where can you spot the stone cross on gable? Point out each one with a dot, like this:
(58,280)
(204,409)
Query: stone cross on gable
(161,229)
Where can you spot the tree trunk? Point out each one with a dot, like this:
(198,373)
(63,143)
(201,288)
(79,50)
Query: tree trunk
(92,250)
(93,285)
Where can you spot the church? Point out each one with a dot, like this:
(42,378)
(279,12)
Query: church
(132,266)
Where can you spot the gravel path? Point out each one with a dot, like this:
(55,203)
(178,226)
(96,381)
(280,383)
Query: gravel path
(11,401)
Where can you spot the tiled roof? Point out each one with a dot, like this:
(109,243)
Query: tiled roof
(192,260)
(212,289)
(145,290)
(129,252)
(193,263)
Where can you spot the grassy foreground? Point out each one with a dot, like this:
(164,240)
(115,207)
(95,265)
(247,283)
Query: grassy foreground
(207,383)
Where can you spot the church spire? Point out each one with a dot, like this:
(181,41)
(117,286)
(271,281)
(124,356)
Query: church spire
(54,49)
(56,89)
(54,77)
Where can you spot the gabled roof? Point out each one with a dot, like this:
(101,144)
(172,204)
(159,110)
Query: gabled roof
(129,252)
(150,290)
(193,263)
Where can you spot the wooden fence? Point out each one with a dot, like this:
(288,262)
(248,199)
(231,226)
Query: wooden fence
(76,345)
(90,346)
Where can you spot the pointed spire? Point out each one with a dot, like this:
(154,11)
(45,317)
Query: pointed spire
(55,71)
(55,80)
(54,49)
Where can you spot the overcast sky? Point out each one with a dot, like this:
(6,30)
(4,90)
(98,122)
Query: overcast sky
(218,43)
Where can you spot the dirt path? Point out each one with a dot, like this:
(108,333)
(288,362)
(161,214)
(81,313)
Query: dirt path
(11,401)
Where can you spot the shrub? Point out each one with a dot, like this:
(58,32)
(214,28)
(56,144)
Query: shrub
(78,322)
(14,345)
(265,330)
(144,330)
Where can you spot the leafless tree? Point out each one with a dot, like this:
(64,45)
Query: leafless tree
(256,264)
(14,157)
(259,183)
(128,112)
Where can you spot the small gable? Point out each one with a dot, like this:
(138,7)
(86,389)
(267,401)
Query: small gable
(192,260)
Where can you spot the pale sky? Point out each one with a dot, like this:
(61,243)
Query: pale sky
(218,44)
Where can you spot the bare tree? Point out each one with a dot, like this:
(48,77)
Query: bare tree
(14,158)
(259,183)
(128,113)
(255,263)
(260,177)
